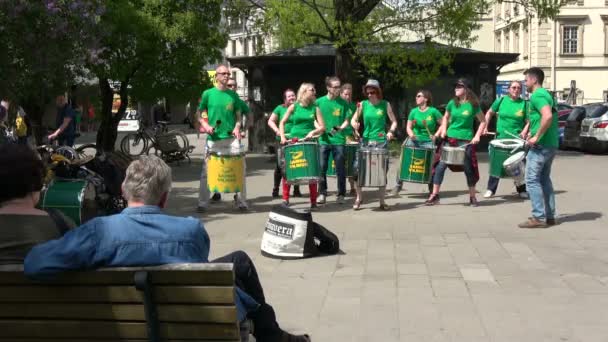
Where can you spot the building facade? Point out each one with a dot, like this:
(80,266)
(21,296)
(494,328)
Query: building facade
(572,50)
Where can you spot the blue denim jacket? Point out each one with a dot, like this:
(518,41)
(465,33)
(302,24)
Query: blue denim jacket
(139,236)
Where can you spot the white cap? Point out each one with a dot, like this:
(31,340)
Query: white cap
(372,83)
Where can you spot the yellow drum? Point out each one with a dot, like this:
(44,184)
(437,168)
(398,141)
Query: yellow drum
(225,172)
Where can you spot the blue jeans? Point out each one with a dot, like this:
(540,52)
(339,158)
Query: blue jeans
(413,143)
(469,171)
(338,153)
(493,185)
(538,182)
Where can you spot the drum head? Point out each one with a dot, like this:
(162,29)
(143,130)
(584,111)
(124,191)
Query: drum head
(506,143)
(514,159)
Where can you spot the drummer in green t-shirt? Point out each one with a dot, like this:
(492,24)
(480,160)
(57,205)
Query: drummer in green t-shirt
(306,123)
(374,111)
(511,112)
(221,120)
(335,113)
(544,141)
(346,93)
(457,128)
(422,123)
(289,97)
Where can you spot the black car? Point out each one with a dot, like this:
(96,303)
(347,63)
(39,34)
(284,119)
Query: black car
(572,131)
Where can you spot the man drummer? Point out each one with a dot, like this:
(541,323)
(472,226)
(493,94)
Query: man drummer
(221,120)
(336,113)
(543,141)
(244,121)
(511,113)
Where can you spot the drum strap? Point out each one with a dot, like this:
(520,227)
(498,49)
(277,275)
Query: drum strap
(61,221)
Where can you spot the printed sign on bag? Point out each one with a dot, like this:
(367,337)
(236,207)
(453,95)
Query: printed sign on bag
(280,229)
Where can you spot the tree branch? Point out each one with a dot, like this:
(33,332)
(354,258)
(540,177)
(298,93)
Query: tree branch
(314,6)
(361,12)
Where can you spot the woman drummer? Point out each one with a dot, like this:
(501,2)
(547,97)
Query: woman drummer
(457,127)
(306,123)
(511,113)
(346,93)
(374,112)
(422,124)
(289,97)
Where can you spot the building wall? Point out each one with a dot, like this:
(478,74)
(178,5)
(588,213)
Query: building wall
(583,59)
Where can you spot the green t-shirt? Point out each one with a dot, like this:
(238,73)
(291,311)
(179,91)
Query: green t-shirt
(334,113)
(539,99)
(243,106)
(374,120)
(431,115)
(352,108)
(302,120)
(511,116)
(462,119)
(280,111)
(220,105)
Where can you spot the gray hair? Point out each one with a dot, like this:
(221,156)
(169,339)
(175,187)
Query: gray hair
(147,179)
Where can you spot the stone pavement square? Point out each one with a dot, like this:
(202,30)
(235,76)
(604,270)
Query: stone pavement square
(443,273)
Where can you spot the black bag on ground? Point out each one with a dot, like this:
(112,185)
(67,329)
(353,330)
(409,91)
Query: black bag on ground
(292,234)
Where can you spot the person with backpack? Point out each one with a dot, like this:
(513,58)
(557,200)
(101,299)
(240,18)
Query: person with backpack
(22,127)
(511,112)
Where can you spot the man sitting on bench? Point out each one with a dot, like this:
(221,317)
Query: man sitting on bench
(143,236)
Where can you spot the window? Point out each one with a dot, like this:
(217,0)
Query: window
(515,10)
(507,41)
(570,39)
(526,42)
(498,43)
(516,40)
(245,46)
(605,19)
(233,43)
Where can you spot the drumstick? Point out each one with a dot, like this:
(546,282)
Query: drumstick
(427,127)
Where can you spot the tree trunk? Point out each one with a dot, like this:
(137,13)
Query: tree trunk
(35,111)
(348,70)
(107,133)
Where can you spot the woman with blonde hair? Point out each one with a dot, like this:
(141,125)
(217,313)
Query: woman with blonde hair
(306,123)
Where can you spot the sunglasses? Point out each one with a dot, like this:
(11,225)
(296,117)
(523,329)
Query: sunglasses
(231,86)
(372,93)
(223,73)
(419,95)
(515,87)
(459,86)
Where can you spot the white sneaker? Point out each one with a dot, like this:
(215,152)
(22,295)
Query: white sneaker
(340,200)
(321,199)
(488,194)
(523,195)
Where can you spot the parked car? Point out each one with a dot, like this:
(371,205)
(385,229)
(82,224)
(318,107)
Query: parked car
(564,106)
(562,116)
(572,131)
(594,130)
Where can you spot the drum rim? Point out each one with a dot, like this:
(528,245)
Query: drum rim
(229,154)
(521,155)
(453,148)
(428,149)
(497,143)
(302,143)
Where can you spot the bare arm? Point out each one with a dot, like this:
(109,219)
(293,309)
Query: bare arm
(283,122)
(545,121)
(64,125)
(488,117)
(443,129)
(272,123)
(391,116)
(355,119)
(408,129)
(481,128)
(319,123)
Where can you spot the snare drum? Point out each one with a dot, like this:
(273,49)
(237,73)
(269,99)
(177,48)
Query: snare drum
(500,150)
(453,155)
(75,198)
(302,163)
(416,164)
(225,172)
(514,167)
(373,165)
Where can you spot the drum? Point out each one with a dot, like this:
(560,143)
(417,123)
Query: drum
(514,167)
(350,154)
(75,198)
(500,150)
(452,155)
(373,165)
(302,163)
(225,172)
(416,164)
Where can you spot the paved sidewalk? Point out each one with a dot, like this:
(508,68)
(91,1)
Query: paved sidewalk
(444,273)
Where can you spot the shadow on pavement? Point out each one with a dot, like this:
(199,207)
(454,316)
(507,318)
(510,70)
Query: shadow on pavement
(584,216)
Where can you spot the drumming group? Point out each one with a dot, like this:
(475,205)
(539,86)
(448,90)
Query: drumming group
(330,135)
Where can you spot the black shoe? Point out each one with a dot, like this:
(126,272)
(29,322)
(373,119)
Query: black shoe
(287,337)
(275,193)
(216,197)
(551,222)
(473,202)
(296,191)
(433,199)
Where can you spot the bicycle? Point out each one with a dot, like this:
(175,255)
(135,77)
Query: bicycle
(168,145)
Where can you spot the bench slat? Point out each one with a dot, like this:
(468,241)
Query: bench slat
(116,294)
(118,312)
(112,330)
(214,274)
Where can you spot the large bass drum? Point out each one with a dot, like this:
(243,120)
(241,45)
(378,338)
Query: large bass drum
(373,165)
(75,198)
(302,163)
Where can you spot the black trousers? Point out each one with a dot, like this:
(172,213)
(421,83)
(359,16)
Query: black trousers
(266,328)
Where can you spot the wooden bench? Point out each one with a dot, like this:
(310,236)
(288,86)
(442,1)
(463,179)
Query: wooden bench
(178,303)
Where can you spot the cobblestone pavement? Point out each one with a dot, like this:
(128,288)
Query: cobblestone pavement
(444,273)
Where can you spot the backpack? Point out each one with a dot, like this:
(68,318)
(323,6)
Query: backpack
(292,234)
